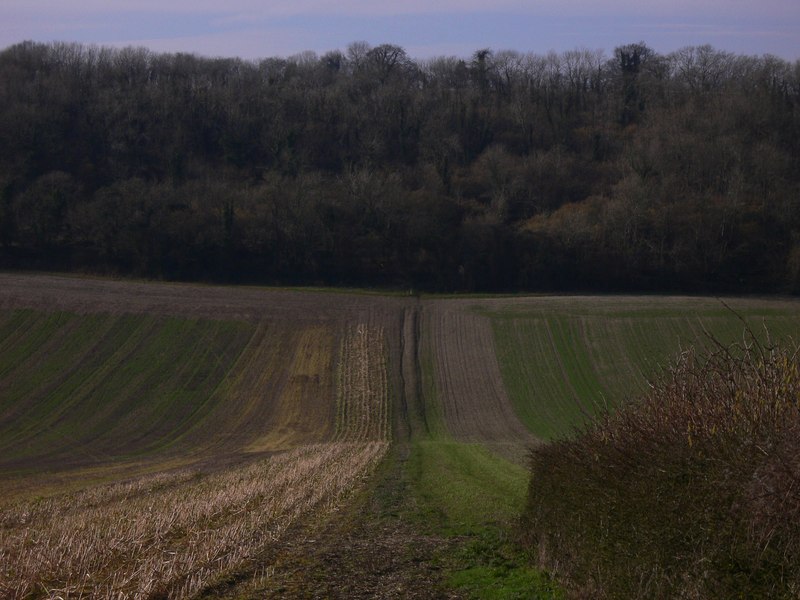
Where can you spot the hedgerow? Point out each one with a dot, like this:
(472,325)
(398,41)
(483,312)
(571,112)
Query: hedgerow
(693,491)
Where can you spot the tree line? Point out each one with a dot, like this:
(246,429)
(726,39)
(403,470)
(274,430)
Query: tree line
(502,171)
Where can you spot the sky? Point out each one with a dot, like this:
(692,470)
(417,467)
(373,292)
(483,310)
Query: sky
(255,29)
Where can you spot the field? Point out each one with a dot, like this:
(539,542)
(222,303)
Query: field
(163,440)
(563,358)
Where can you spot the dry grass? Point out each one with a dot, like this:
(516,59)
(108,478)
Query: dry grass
(692,492)
(171,534)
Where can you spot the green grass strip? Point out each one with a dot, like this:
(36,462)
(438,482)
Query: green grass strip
(465,491)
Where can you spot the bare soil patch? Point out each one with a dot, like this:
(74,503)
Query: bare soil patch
(86,295)
(469,383)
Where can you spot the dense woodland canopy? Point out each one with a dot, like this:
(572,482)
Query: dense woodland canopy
(505,171)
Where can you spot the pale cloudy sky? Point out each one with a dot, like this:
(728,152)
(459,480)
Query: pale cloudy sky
(255,29)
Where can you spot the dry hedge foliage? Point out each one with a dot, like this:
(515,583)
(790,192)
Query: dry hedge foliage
(693,491)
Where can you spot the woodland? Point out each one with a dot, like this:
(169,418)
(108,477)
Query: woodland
(503,171)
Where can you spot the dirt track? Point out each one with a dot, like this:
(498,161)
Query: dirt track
(369,550)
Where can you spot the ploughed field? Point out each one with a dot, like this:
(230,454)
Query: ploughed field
(165,440)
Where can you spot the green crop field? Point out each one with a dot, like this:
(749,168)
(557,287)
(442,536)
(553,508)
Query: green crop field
(107,385)
(562,360)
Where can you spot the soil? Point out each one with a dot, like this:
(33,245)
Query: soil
(88,295)
(474,402)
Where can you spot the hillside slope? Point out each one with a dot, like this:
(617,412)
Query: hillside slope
(115,393)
